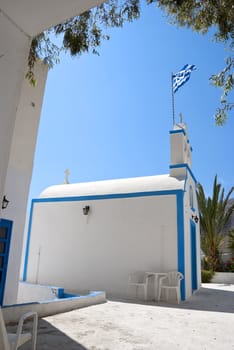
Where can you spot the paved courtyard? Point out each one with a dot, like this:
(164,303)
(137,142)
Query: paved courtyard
(205,322)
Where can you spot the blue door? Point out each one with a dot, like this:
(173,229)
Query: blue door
(5,238)
(193,255)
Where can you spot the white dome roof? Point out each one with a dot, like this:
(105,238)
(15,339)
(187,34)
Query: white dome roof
(116,186)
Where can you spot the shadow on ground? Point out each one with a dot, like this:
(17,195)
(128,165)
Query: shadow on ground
(49,338)
(205,299)
(208,299)
(136,325)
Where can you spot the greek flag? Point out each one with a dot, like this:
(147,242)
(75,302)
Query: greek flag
(182,76)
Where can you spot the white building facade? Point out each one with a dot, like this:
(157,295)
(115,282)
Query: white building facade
(91,236)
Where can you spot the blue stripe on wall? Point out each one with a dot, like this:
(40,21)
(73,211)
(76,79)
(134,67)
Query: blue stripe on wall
(28,243)
(180,239)
(178,131)
(105,196)
(8,225)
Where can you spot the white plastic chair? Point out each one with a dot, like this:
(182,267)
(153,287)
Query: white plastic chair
(170,282)
(12,341)
(139,280)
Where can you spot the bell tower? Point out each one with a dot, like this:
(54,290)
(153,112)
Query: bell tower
(181,150)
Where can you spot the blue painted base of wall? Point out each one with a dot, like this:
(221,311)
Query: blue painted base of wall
(66,302)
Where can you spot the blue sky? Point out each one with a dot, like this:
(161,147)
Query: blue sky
(109,116)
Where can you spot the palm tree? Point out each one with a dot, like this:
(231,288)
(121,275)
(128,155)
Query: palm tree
(231,241)
(214,214)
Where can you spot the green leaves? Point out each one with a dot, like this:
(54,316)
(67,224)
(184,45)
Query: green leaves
(224,80)
(214,214)
(44,49)
(82,33)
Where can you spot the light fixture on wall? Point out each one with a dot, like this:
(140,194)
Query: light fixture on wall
(195,218)
(5,202)
(86,209)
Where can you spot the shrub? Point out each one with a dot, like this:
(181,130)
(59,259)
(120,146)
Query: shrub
(206,276)
(229,266)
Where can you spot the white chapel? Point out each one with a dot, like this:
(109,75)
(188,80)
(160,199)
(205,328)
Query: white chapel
(91,236)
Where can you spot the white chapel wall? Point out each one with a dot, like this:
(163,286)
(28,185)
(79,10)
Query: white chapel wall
(180,149)
(98,251)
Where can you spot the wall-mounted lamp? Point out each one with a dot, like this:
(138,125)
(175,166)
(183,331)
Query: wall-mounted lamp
(86,209)
(195,218)
(5,202)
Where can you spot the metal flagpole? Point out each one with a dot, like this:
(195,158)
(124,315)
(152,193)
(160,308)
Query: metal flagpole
(173,101)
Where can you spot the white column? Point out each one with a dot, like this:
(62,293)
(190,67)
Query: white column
(14,50)
(19,172)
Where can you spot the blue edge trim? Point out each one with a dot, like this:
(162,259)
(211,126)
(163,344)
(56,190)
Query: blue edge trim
(8,224)
(62,297)
(180,220)
(178,131)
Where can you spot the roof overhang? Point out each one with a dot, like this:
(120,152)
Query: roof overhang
(35,16)
(159,183)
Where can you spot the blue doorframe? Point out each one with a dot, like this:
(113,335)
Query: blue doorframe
(193,243)
(5,239)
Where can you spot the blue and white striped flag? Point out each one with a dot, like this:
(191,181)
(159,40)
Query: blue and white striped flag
(182,76)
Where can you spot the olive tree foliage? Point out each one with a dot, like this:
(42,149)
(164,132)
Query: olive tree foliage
(201,16)
(85,33)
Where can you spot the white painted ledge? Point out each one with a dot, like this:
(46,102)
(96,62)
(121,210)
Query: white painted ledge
(223,277)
